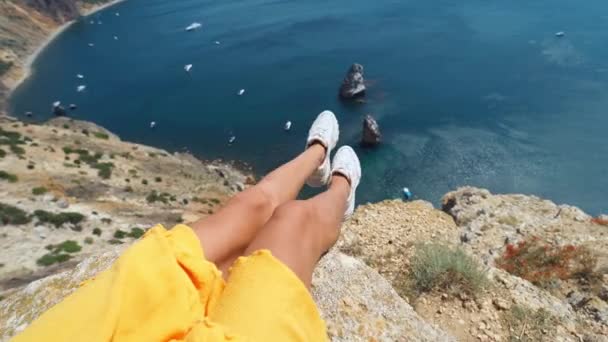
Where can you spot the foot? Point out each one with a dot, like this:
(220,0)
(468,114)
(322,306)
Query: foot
(324,131)
(346,163)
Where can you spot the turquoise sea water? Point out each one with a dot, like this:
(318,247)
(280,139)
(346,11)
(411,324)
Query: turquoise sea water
(466,92)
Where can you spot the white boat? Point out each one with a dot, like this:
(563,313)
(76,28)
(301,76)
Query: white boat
(232,139)
(92,22)
(152,124)
(81,88)
(56,104)
(80,75)
(193,26)
(560,34)
(117,14)
(241,92)
(115,37)
(99,22)
(217,42)
(91,44)
(287,125)
(188,67)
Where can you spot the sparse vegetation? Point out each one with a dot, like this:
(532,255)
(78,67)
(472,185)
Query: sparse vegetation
(527,325)
(106,220)
(543,264)
(120,234)
(59,219)
(439,267)
(104,169)
(13,215)
(88,240)
(101,135)
(59,253)
(136,233)
(154,196)
(9,177)
(39,190)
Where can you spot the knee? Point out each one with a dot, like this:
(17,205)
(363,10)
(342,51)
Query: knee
(299,213)
(256,199)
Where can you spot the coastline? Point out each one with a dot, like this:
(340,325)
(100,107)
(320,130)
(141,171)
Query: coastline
(31,58)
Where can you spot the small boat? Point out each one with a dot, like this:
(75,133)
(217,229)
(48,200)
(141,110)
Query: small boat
(29,114)
(81,88)
(73,106)
(407,194)
(117,14)
(115,37)
(99,22)
(241,92)
(560,34)
(92,22)
(217,42)
(91,44)
(152,124)
(232,139)
(193,26)
(56,104)
(80,75)
(188,67)
(287,125)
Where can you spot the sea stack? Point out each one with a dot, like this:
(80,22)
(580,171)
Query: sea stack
(371,132)
(353,85)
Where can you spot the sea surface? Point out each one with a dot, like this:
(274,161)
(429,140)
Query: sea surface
(477,92)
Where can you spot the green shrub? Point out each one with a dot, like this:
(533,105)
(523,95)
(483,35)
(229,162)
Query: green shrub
(158,179)
(101,135)
(144,182)
(13,215)
(97,231)
(2,153)
(115,242)
(39,190)
(128,188)
(85,132)
(106,220)
(11,178)
(104,170)
(49,259)
(527,325)
(154,196)
(58,219)
(438,267)
(68,246)
(30,166)
(120,234)
(136,233)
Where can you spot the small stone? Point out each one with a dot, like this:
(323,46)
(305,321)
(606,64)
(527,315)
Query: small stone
(63,203)
(500,304)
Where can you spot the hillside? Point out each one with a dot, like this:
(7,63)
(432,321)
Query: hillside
(93,189)
(24,27)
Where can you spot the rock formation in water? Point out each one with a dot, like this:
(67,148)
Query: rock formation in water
(353,84)
(371,132)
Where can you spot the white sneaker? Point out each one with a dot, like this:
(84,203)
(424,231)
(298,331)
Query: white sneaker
(346,163)
(324,130)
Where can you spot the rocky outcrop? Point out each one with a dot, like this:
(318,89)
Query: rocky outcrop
(353,84)
(79,167)
(371,132)
(357,304)
(58,10)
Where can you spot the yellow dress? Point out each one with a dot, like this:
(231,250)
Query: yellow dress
(163,289)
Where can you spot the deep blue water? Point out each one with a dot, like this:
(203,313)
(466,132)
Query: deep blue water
(467,92)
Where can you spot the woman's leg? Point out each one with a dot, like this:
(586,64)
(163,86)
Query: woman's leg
(226,234)
(299,232)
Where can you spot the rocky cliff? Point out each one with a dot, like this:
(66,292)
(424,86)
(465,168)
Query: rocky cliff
(24,26)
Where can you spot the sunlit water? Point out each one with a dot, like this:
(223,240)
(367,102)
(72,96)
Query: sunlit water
(466,92)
